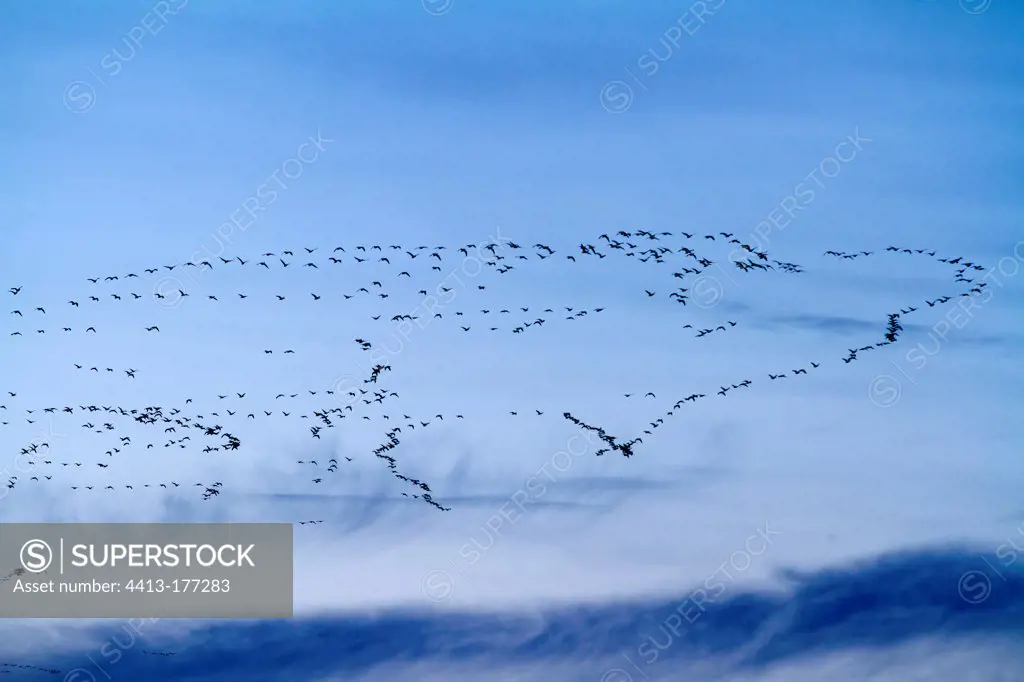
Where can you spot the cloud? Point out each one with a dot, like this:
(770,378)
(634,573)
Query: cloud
(835,324)
(886,602)
(846,326)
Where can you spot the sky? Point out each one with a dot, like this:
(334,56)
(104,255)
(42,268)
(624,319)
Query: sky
(860,521)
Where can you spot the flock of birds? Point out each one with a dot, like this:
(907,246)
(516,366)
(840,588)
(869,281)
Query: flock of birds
(216,428)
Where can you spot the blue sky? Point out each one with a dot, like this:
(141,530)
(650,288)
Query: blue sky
(135,133)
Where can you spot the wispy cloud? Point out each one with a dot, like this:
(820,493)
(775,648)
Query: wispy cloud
(879,603)
(835,324)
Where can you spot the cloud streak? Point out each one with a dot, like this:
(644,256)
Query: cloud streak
(880,603)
